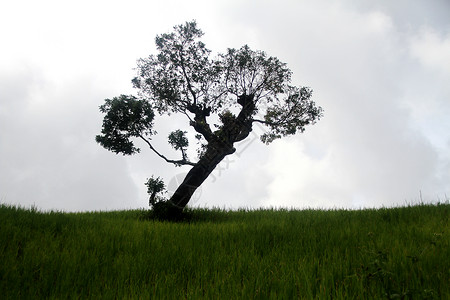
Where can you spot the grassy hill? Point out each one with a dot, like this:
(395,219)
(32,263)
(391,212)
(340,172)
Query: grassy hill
(339,254)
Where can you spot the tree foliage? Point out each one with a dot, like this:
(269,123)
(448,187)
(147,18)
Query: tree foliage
(126,117)
(154,186)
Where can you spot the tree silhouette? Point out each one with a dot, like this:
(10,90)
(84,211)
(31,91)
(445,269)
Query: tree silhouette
(232,89)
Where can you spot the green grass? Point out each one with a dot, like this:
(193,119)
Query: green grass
(263,254)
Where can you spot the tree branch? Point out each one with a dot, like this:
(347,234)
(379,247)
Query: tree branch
(188,81)
(273,124)
(175,162)
(261,121)
(199,123)
(243,135)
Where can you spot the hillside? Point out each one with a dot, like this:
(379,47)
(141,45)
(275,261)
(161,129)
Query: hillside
(339,254)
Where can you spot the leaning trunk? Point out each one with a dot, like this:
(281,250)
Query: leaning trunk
(233,130)
(198,174)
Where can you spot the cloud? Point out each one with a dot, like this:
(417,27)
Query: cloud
(49,156)
(367,150)
(432,49)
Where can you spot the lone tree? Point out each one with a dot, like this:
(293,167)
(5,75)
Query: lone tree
(235,90)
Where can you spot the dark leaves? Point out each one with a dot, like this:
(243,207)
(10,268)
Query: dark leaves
(253,73)
(181,74)
(125,117)
(291,115)
(155,186)
(179,141)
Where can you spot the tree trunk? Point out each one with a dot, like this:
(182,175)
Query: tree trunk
(198,174)
(220,144)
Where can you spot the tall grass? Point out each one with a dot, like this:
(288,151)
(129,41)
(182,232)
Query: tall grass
(339,254)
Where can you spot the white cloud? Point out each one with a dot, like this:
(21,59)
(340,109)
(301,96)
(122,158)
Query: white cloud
(379,22)
(48,154)
(374,154)
(300,180)
(432,49)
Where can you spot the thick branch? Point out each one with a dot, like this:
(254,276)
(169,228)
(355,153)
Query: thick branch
(266,122)
(175,162)
(202,128)
(199,123)
(243,135)
(236,129)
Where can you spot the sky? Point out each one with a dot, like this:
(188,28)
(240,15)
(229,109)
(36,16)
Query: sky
(379,69)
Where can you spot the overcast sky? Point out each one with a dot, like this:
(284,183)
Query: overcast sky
(380,70)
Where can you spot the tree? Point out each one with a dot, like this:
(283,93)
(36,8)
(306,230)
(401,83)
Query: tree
(236,89)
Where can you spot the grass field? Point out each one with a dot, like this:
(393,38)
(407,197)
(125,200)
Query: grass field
(262,254)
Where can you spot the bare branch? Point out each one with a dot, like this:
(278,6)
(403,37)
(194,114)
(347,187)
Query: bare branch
(264,122)
(175,162)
